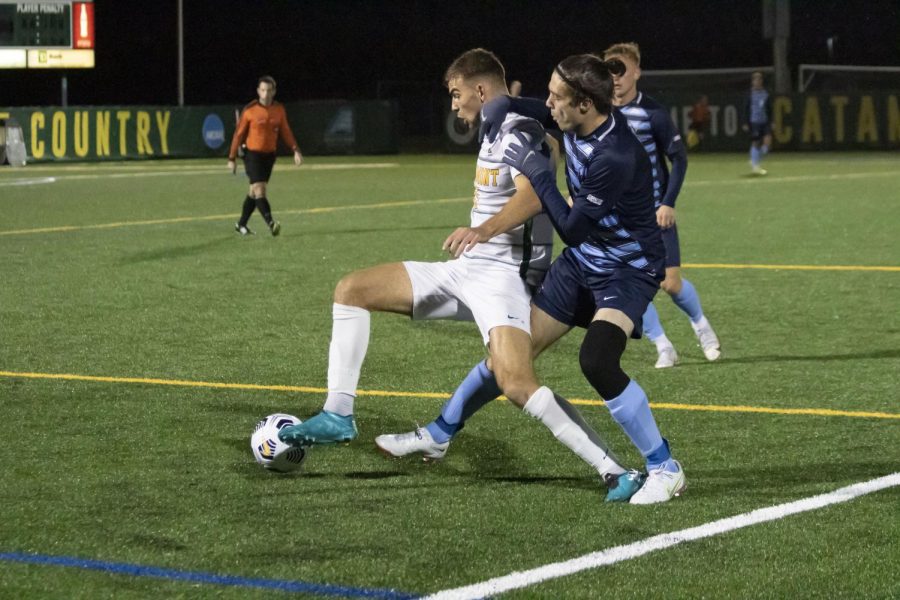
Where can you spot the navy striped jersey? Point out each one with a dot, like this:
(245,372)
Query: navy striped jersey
(759,107)
(653,126)
(609,177)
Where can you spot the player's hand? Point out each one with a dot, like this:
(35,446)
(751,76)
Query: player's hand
(232,166)
(298,158)
(463,240)
(492,115)
(745,127)
(526,157)
(665,216)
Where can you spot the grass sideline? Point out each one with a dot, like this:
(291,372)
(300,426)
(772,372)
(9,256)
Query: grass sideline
(133,271)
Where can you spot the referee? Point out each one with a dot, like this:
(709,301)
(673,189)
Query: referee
(261,123)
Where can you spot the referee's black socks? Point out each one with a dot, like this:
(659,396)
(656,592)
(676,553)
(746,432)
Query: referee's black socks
(247,210)
(264,209)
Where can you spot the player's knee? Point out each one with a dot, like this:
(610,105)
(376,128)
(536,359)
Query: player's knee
(516,385)
(600,355)
(350,291)
(258,190)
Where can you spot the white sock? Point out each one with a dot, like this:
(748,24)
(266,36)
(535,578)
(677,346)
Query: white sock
(662,342)
(568,427)
(349,343)
(701,324)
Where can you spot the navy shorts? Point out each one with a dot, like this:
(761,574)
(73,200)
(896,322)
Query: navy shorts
(670,241)
(572,294)
(759,130)
(258,165)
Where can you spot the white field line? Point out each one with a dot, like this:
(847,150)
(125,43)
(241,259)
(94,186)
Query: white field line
(792,178)
(610,556)
(27,181)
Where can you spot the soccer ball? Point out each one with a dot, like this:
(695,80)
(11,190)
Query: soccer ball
(271,452)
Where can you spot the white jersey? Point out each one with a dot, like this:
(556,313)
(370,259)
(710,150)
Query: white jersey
(528,247)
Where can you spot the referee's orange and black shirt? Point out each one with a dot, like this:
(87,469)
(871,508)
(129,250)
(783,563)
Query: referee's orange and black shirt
(260,126)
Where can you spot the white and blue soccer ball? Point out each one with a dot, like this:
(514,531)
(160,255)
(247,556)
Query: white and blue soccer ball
(271,452)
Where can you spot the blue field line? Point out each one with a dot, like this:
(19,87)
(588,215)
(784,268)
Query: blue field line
(200,577)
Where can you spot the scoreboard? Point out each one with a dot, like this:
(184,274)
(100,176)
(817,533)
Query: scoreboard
(47,34)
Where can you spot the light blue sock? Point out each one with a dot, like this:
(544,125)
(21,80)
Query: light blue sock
(754,156)
(653,328)
(688,301)
(631,410)
(477,389)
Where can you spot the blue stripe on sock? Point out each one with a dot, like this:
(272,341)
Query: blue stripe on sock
(477,389)
(688,300)
(652,326)
(200,577)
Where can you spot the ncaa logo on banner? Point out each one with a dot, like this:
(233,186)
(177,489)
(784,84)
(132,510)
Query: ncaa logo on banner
(213,131)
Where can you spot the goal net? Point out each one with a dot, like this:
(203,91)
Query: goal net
(846,78)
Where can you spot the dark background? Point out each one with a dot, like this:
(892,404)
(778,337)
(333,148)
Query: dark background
(369,48)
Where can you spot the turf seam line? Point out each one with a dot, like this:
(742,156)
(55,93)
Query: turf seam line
(610,556)
(135,570)
(819,412)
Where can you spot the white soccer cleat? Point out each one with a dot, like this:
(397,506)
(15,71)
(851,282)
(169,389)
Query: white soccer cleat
(708,339)
(661,486)
(759,171)
(667,358)
(402,444)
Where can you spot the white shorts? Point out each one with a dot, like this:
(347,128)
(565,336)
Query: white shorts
(466,290)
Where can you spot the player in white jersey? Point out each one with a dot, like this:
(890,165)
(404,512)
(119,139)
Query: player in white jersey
(491,283)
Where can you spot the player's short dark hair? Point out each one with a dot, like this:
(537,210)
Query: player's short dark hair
(267,79)
(590,78)
(477,62)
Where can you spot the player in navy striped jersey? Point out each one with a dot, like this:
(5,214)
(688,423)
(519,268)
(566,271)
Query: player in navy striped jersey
(614,259)
(758,119)
(653,126)
(490,284)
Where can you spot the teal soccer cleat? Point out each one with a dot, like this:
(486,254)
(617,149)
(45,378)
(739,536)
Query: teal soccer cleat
(324,428)
(620,488)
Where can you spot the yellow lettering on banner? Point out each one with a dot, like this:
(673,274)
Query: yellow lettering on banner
(812,121)
(59,134)
(866,126)
(103,133)
(163,124)
(81,133)
(143,133)
(4,115)
(37,146)
(782,108)
(893,119)
(839,102)
(123,116)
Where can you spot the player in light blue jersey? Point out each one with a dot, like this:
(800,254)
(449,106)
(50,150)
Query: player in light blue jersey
(653,126)
(490,284)
(758,122)
(611,267)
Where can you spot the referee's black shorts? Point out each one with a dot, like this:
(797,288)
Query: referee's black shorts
(258,165)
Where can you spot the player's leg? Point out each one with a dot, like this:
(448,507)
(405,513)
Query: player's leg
(685,297)
(384,288)
(622,300)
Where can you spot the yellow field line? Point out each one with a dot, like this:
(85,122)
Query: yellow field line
(821,412)
(791,267)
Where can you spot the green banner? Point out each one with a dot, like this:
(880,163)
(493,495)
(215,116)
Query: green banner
(143,132)
(807,122)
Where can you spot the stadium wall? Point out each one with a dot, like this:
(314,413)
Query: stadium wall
(97,133)
(802,122)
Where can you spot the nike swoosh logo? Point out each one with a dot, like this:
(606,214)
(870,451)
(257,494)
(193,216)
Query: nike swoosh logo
(609,297)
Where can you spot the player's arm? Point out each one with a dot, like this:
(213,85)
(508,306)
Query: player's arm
(288,137)
(667,136)
(240,134)
(522,206)
(494,113)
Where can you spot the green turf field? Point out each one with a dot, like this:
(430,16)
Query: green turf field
(142,339)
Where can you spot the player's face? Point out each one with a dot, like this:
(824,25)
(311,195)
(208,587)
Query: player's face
(757,81)
(465,100)
(266,93)
(625,86)
(559,101)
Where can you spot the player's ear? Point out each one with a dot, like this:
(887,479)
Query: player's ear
(479,89)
